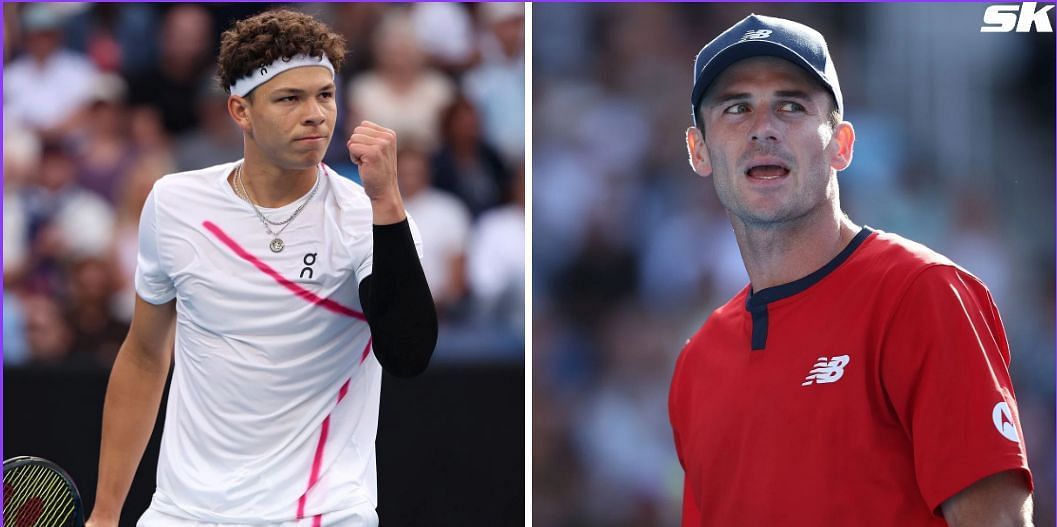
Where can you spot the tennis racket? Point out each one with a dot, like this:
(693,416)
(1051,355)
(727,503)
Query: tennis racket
(37,493)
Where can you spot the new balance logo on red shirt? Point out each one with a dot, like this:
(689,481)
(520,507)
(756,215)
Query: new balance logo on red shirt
(827,370)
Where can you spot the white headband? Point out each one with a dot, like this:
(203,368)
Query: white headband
(264,74)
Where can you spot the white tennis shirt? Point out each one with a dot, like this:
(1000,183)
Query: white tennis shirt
(273,407)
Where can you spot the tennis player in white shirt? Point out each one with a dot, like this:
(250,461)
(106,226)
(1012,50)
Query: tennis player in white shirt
(290,288)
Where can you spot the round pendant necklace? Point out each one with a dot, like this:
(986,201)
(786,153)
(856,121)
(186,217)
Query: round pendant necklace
(277,244)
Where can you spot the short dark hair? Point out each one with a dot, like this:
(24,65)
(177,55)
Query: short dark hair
(263,38)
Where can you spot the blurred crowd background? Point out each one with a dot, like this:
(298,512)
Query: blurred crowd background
(632,251)
(100,100)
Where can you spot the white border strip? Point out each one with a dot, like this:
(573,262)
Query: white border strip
(528,263)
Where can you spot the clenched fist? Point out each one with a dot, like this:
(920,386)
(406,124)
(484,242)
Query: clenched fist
(373,148)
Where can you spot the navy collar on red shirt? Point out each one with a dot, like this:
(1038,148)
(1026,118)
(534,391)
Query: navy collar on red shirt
(756,303)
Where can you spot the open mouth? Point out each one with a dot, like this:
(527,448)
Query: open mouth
(767,172)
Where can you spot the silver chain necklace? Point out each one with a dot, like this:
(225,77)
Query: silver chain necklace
(276,245)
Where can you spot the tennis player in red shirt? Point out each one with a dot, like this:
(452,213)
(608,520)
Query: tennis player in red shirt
(861,379)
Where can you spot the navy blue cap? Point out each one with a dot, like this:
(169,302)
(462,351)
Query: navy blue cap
(757,36)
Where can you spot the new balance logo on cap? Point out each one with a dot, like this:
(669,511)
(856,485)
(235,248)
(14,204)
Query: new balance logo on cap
(827,370)
(756,34)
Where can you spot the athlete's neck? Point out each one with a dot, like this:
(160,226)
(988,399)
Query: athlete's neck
(272,186)
(777,254)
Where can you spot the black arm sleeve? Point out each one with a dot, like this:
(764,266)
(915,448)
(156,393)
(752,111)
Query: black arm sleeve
(397,303)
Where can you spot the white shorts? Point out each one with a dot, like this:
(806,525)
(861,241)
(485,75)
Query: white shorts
(363,516)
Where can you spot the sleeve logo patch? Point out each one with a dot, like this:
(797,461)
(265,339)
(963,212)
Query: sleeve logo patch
(1003,420)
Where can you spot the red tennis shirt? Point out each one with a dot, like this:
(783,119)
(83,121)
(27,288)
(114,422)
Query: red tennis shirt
(866,393)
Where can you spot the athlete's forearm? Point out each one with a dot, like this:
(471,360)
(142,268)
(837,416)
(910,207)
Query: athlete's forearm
(398,304)
(999,500)
(129,412)
(388,209)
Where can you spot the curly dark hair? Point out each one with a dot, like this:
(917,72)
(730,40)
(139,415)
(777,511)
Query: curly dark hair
(261,39)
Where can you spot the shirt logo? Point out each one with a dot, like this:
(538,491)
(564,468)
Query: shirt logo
(309,261)
(756,34)
(1003,420)
(826,370)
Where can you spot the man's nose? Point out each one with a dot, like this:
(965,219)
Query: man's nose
(315,115)
(764,127)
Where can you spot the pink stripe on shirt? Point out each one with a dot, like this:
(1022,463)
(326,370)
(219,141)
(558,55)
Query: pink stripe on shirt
(309,296)
(326,303)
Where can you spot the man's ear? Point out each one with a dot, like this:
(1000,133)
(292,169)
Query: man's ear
(695,146)
(239,110)
(844,140)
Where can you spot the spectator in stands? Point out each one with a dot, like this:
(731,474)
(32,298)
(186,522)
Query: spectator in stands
(498,83)
(102,43)
(216,139)
(21,157)
(443,220)
(116,37)
(401,91)
(64,220)
(171,86)
(466,165)
(48,337)
(45,87)
(496,269)
(148,132)
(103,150)
(356,21)
(446,33)
(97,333)
(134,190)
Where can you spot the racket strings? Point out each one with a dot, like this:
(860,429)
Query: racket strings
(35,496)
